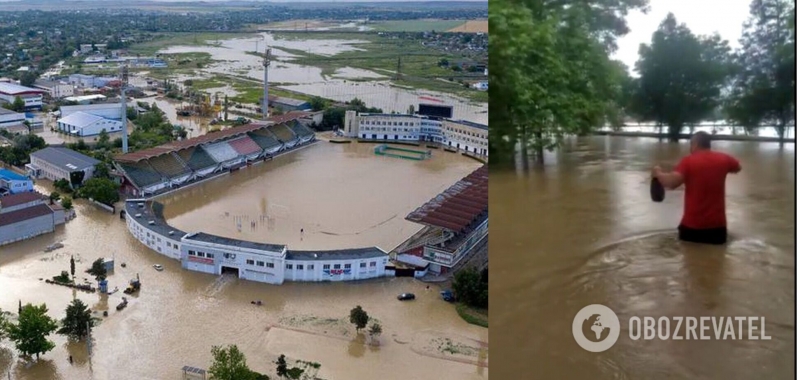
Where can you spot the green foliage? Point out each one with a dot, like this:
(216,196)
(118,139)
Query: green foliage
(62,185)
(18,153)
(318,103)
(67,203)
(78,321)
(27,78)
(54,196)
(359,317)
(681,76)
(98,270)
(103,141)
(470,288)
(101,170)
(71,263)
(18,105)
(556,78)
(229,364)
(63,277)
(375,330)
(102,190)
(294,373)
(764,87)
(281,368)
(30,332)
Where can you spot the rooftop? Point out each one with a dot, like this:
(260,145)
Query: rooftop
(11,176)
(204,139)
(471,124)
(214,239)
(340,254)
(153,211)
(288,101)
(14,89)
(65,158)
(459,206)
(24,214)
(80,119)
(19,198)
(6,111)
(45,83)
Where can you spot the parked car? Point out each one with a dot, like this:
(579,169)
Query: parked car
(447,295)
(406,297)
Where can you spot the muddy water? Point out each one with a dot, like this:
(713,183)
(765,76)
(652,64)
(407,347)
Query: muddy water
(341,195)
(179,315)
(235,60)
(583,231)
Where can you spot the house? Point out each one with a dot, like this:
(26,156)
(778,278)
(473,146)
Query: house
(13,183)
(31,96)
(86,124)
(56,163)
(56,90)
(481,85)
(9,118)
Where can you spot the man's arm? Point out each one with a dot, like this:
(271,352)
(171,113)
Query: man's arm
(670,180)
(735,166)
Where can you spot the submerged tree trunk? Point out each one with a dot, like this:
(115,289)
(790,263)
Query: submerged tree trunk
(539,148)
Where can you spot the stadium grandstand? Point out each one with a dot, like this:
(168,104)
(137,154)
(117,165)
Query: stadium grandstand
(156,170)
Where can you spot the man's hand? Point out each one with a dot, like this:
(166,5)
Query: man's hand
(656,171)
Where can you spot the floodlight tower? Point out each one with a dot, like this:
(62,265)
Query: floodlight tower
(124,84)
(265,101)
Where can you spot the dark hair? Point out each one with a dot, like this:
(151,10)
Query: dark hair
(703,140)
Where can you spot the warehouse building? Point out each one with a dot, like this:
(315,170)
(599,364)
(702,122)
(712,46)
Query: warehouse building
(56,90)
(27,215)
(31,96)
(55,163)
(85,124)
(9,118)
(288,104)
(111,111)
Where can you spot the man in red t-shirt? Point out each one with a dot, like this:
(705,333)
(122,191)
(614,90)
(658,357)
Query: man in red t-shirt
(703,172)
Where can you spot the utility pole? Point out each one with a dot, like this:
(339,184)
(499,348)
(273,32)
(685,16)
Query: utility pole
(124,110)
(265,101)
(397,76)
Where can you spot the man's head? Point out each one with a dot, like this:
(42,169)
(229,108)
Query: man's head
(700,141)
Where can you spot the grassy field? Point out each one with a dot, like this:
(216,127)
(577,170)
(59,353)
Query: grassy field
(415,25)
(479,317)
(181,39)
(419,65)
(472,26)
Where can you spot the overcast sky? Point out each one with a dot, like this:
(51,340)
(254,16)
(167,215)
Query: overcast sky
(703,17)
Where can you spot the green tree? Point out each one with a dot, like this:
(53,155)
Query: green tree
(681,76)
(318,103)
(67,203)
(102,190)
(18,105)
(72,264)
(332,118)
(78,321)
(30,332)
(281,368)
(229,364)
(98,270)
(63,185)
(103,140)
(54,196)
(101,170)
(555,79)
(359,317)
(470,289)
(764,87)
(28,78)
(375,330)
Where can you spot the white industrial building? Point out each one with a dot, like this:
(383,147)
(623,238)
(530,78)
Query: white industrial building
(55,163)
(111,111)
(462,135)
(31,96)
(56,90)
(85,124)
(269,263)
(26,215)
(88,81)
(9,118)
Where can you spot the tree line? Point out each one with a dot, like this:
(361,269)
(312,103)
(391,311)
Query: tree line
(557,77)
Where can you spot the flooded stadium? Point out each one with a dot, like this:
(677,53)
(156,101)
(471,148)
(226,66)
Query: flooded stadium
(583,230)
(342,195)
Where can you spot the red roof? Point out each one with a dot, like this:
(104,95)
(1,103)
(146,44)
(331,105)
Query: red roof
(458,206)
(204,139)
(24,214)
(20,198)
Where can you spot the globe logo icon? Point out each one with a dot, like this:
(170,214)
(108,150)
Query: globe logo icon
(596,328)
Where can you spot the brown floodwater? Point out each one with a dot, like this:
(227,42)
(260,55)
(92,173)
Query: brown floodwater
(179,315)
(583,230)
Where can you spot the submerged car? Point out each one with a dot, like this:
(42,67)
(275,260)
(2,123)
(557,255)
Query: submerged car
(406,297)
(158,267)
(447,295)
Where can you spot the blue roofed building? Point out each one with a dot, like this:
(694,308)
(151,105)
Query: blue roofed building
(13,183)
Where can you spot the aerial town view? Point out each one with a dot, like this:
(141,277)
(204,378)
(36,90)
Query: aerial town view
(243,190)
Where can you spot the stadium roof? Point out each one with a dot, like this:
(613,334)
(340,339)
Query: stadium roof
(65,158)
(80,119)
(458,206)
(204,139)
(15,89)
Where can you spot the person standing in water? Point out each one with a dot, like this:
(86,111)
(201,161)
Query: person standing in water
(703,172)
